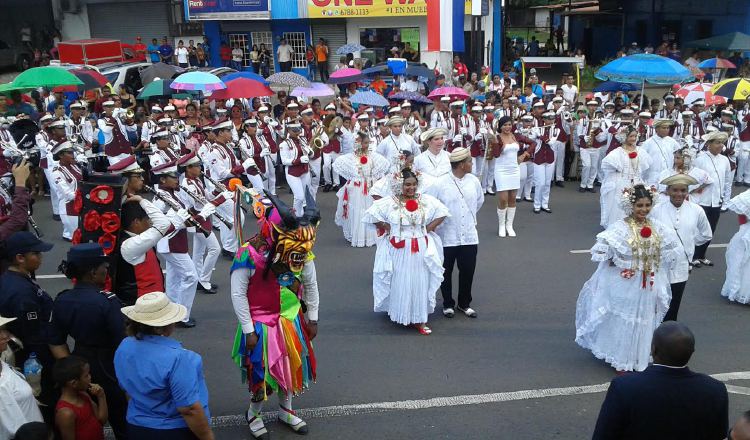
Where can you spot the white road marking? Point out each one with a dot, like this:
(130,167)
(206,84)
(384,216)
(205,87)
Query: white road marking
(586,251)
(56,276)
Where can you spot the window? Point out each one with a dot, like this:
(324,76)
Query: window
(299,44)
(240,40)
(380,42)
(267,39)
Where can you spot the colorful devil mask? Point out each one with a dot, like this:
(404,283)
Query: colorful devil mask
(293,237)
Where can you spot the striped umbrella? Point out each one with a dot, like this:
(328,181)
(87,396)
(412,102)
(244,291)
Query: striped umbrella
(202,81)
(732,89)
(716,63)
(695,91)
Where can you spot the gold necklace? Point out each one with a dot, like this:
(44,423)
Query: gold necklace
(645,246)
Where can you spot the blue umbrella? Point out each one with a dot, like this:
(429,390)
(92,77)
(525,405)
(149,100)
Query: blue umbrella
(420,70)
(349,48)
(644,68)
(369,98)
(379,68)
(248,75)
(614,86)
(414,97)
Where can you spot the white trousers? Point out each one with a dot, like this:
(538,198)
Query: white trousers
(602,155)
(488,174)
(743,163)
(477,166)
(54,195)
(270,183)
(543,175)
(181,280)
(527,180)
(315,176)
(330,176)
(205,253)
(298,185)
(257,182)
(589,166)
(70,222)
(559,148)
(228,236)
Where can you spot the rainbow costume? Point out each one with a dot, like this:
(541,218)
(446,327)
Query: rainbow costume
(273,286)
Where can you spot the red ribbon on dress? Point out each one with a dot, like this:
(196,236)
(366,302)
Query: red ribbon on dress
(346,203)
(402,243)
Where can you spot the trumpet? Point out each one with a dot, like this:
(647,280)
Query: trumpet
(176,207)
(180,126)
(202,200)
(410,129)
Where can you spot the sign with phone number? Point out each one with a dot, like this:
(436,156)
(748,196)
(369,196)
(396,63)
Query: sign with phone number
(369,8)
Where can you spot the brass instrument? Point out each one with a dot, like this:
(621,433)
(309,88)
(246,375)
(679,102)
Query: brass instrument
(218,185)
(317,138)
(332,124)
(180,126)
(29,218)
(202,200)
(489,139)
(592,128)
(176,207)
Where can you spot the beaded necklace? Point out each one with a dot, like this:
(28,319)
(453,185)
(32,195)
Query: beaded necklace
(645,246)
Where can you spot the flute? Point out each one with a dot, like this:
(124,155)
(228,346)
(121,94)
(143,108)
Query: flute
(176,206)
(200,199)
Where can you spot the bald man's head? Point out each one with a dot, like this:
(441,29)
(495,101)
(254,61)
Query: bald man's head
(741,429)
(673,344)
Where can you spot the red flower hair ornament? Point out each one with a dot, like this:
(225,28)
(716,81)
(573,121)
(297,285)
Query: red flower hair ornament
(411,205)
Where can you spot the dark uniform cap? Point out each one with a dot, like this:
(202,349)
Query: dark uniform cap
(86,253)
(24,241)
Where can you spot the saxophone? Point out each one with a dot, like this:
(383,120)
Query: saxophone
(317,137)
(488,140)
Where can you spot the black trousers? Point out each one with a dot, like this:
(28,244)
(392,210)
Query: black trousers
(323,69)
(142,433)
(466,259)
(674,305)
(713,219)
(286,66)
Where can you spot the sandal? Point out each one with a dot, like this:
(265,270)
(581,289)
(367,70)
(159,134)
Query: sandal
(707,262)
(289,418)
(259,432)
(424,330)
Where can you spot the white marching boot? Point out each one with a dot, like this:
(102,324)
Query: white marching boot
(501,216)
(509,222)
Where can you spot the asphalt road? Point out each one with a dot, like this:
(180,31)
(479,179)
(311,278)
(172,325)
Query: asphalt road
(525,292)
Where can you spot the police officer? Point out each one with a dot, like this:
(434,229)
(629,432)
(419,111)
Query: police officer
(22,298)
(92,317)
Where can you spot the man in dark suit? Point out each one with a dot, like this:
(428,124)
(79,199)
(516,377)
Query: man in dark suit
(741,429)
(667,400)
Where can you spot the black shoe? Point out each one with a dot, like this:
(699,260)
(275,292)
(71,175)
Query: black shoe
(210,291)
(547,210)
(327,188)
(55,217)
(528,200)
(560,184)
(226,254)
(190,323)
(537,211)
(67,239)
(581,189)
(592,190)
(597,183)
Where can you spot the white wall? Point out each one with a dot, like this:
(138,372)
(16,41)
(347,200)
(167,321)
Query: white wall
(76,26)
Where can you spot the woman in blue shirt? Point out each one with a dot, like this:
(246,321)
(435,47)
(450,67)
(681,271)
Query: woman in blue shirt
(168,394)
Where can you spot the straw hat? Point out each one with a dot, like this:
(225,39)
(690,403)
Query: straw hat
(156,310)
(460,154)
(679,179)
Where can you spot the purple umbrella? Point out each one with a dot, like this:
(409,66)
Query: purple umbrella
(315,90)
(202,81)
(410,96)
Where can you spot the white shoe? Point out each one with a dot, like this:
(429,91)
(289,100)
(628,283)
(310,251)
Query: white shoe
(255,423)
(509,222)
(501,216)
(290,419)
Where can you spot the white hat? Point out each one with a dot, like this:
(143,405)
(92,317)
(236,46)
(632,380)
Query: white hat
(363,116)
(662,122)
(382,121)
(156,310)
(57,123)
(670,97)
(727,112)
(395,120)
(715,136)
(679,179)
(262,108)
(549,115)
(489,108)
(726,125)
(62,146)
(557,99)
(609,104)
(331,106)
(395,109)
(169,108)
(108,103)
(405,104)
(4,320)
(221,111)
(369,109)
(458,103)
(292,105)
(156,109)
(460,154)
(431,133)
(538,104)
(293,125)
(77,105)
(699,102)
(45,118)
(688,113)
(166,168)
(527,118)
(159,134)
(644,115)
(224,125)
(476,108)
(249,121)
(307,111)
(627,111)
(164,120)
(592,102)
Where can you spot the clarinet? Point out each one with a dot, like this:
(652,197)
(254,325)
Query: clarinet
(220,186)
(200,199)
(30,219)
(176,206)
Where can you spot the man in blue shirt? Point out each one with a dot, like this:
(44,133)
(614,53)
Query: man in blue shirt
(19,106)
(153,51)
(533,49)
(166,51)
(59,98)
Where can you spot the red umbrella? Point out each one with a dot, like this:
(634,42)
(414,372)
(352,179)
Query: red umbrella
(242,88)
(91,80)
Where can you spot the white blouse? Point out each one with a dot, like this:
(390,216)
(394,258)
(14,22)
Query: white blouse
(17,403)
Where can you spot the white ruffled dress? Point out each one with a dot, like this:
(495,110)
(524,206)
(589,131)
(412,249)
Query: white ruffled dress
(615,316)
(737,284)
(355,197)
(408,265)
(618,172)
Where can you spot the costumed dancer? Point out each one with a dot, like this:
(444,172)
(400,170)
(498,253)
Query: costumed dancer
(623,167)
(274,285)
(206,249)
(435,160)
(737,284)
(660,148)
(690,224)
(361,169)
(624,301)
(408,272)
(295,156)
(66,176)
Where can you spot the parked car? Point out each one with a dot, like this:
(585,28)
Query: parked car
(15,56)
(127,73)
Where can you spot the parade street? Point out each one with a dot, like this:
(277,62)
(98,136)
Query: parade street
(513,373)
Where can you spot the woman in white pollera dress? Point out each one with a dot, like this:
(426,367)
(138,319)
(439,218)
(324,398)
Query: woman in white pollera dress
(737,284)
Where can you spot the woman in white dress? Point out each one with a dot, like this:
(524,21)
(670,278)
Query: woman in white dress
(409,269)
(682,165)
(621,305)
(737,284)
(507,173)
(622,167)
(361,169)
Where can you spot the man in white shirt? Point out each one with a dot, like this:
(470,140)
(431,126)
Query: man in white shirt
(435,161)
(396,142)
(690,224)
(284,54)
(182,54)
(570,91)
(461,192)
(660,148)
(713,196)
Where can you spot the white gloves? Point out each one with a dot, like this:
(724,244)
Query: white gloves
(207,210)
(265,153)
(228,195)
(457,138)
(179,218)
(248,163)
(478,137)
(587,139)
(463,130)
(273,124)
(482,130)
(304,159)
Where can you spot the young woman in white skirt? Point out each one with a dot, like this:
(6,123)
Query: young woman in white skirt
(737,284)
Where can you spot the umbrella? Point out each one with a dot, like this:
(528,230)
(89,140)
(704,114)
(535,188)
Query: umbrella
(643,68)
(419,70)
(716,63)
(453,92)
(370,98)
(614,86)
(695,91)
(242,88)
(733,41)
(315,90)
(414,97)
(378,68)
(202,81)
(349,48)
(158,71)
(91,80)
(289,79)
(345,76)
(248,75)
(157,89)
(47,76)
(732,89)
